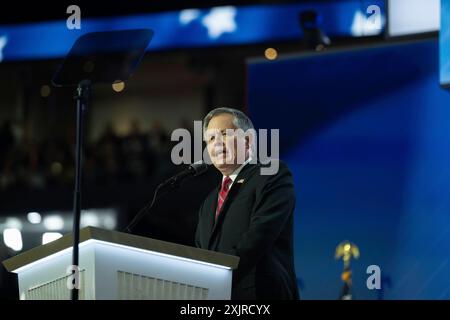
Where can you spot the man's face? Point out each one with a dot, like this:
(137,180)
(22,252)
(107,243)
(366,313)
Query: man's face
(227,148)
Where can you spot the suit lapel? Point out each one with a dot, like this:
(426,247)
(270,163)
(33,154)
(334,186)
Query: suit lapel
(212,209)
(237,184)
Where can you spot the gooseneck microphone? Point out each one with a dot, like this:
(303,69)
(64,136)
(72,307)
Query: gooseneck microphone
(192,170)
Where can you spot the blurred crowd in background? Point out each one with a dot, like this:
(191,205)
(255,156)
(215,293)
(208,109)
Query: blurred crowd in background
(109,159)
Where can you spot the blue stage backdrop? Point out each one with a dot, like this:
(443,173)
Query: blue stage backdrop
(444,44)
(194,28)
(366,133)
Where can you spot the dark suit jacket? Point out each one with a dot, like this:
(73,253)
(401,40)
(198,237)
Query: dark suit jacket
(255,224)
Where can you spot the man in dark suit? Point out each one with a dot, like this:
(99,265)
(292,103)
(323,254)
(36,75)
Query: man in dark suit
(250,214)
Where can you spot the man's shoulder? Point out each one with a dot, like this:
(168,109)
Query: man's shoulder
(274,177)
(278,162)
(273,167)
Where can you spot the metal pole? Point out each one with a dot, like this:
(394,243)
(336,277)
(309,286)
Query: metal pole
(82,98)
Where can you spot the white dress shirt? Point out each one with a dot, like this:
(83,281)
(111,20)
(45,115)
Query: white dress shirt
(234,175)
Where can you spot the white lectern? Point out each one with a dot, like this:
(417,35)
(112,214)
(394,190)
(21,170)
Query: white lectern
(116,265)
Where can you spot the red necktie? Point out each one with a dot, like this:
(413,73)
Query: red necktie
(223,193)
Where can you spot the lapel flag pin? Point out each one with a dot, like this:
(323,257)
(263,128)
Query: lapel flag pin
(241,181)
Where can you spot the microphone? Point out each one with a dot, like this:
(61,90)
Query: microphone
(193,170)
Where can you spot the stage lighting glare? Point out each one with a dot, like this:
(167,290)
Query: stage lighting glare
(12,238)
(45,91)
(118,86)
(56,168)
(54,222)
(50,236)
(270,54)
(89,218)
(13,223)
(34,217)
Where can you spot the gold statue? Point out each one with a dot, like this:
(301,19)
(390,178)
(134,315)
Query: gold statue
(346,250)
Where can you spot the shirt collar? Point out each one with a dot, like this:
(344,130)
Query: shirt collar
(234,175)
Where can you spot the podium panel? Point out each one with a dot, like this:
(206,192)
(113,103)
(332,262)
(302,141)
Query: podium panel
(115,265)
